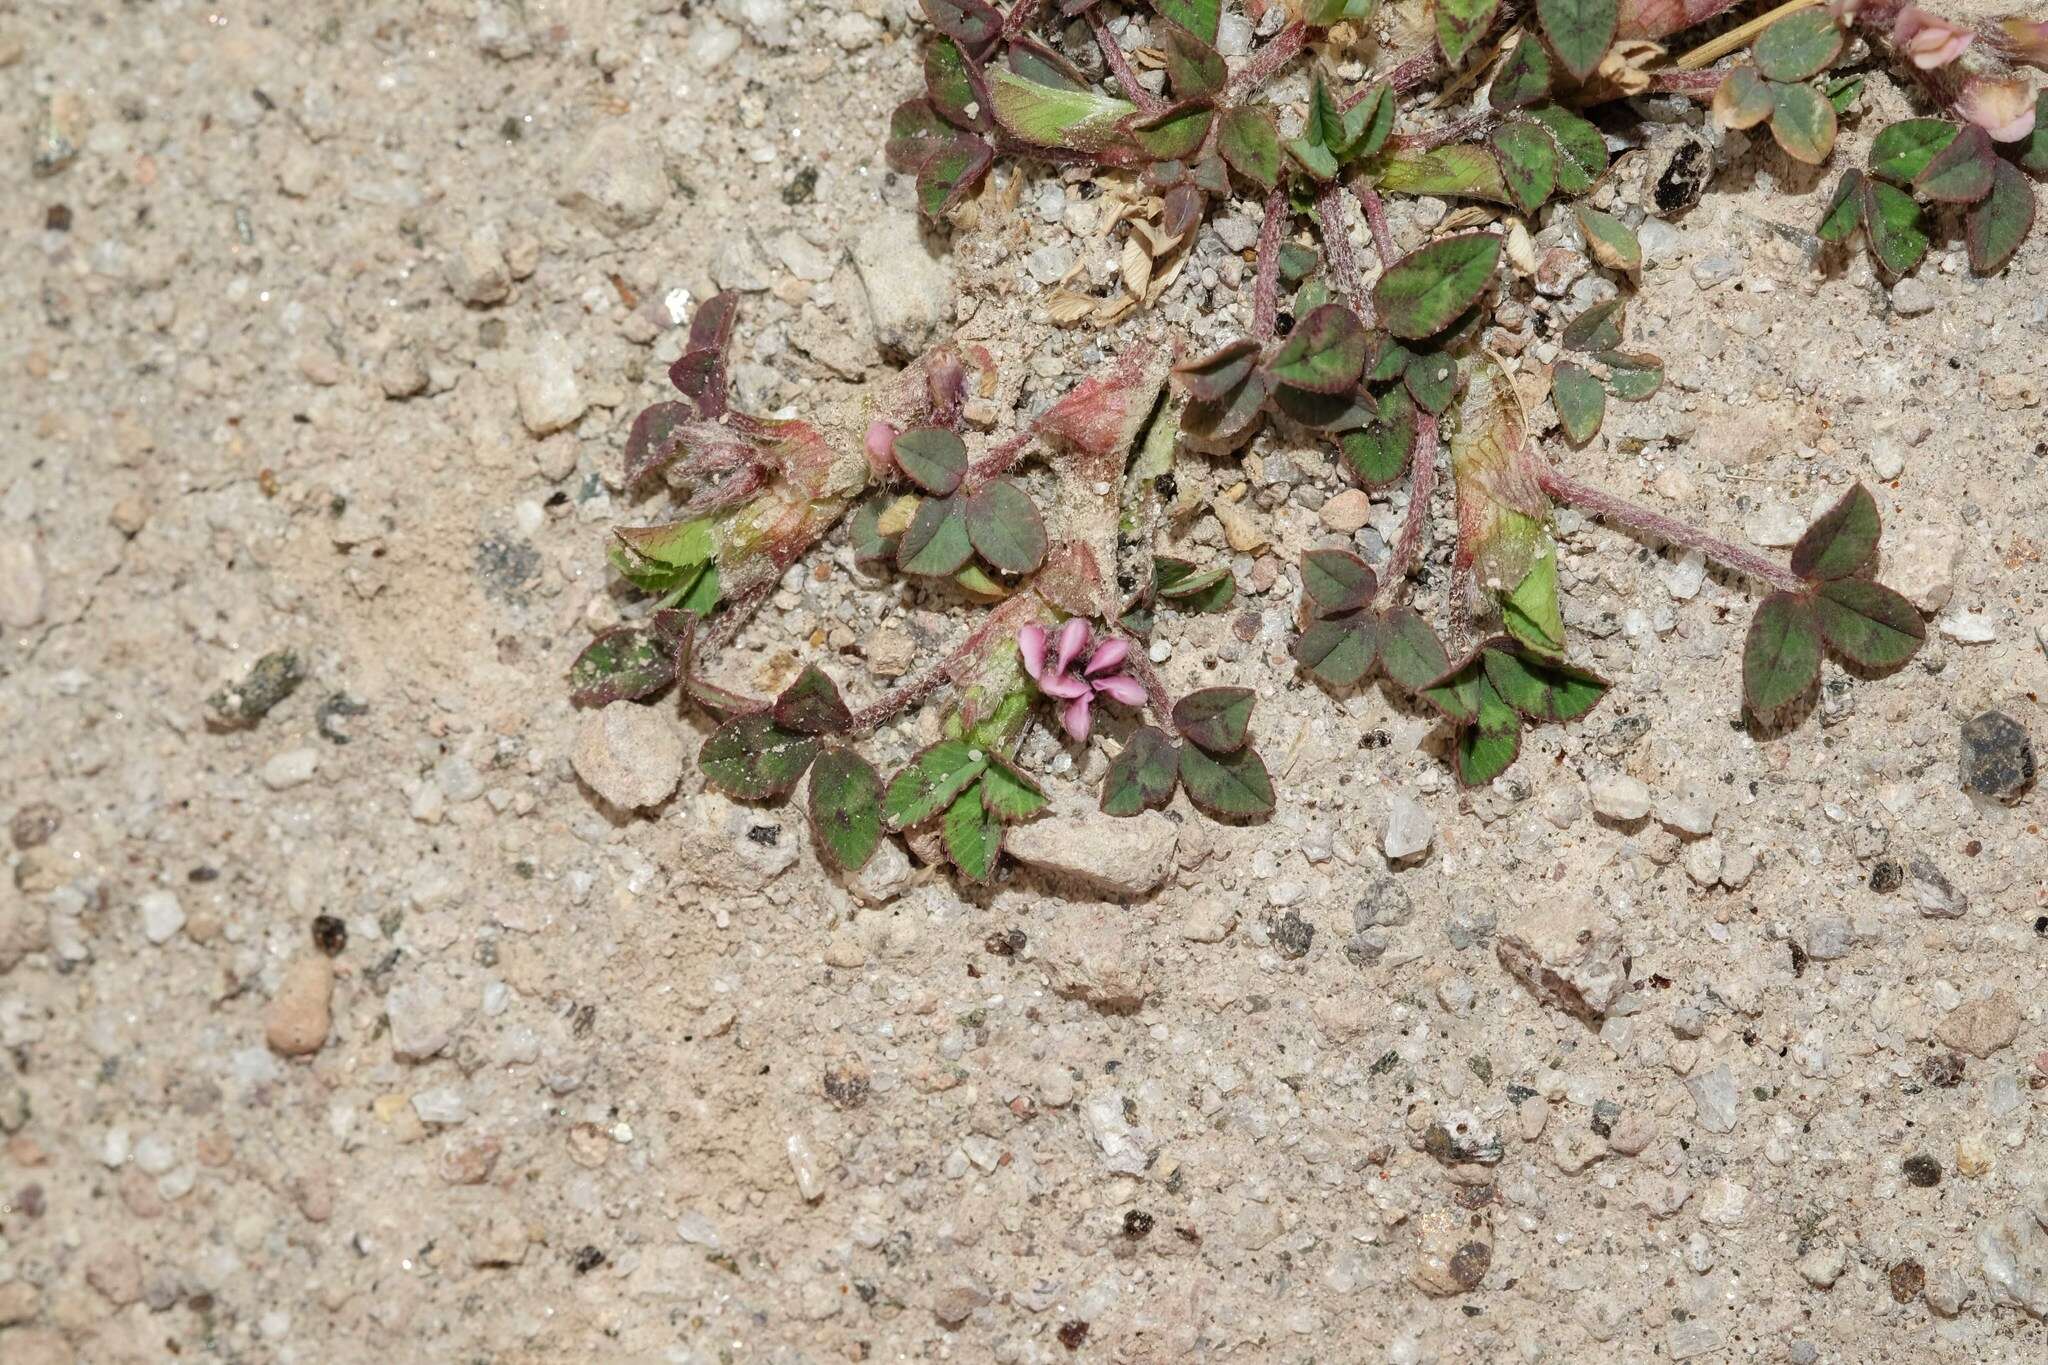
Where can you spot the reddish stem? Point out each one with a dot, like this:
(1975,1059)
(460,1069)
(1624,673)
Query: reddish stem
(1411,75)
(1020,17)
(1450,132)
(1699,84)
(1337,243)
(1147,102)
(939,674)
(1261,65)
(1000,459)
(1139,664)
(1600,503)
(1376,217)
(1266,287)
(1421,489)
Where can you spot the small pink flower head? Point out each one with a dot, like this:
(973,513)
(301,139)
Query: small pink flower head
(1928,39)
(2002,108)
(881,448)
(1078,688)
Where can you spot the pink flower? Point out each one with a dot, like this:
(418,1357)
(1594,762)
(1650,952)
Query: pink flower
(1928,39)
(880,445)
(1078,689)
(2004,109)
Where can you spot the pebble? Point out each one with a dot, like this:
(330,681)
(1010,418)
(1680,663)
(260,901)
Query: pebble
(1887,457)
(1569,956)
(296,1020)
(1913,296)
(617,181)
(162,916)
(1921,563)
(2014,1249)
(1093,954)
(1620,797)
(1981,1027)
(546,389)
(292,768)
(478,272)
(1973,1156)
(803,260)
(1969,627)
(422,1017)
(1348,511)
(1692,810)
(23,591)
(1823,1265)
(1409,829)
(1685,577)
(631,755)
(116,1272)
(1775,525)
(1120,857)
(1715,1099)
(1997,758)
(442,1104)
(909,284)
(1210,921)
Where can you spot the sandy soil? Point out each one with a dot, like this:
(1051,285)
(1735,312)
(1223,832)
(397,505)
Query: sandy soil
(360,1029)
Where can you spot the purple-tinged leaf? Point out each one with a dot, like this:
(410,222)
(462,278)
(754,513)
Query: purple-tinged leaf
(1781,656)
(751,758)
(1455,692)
(955,88)
(1217,718)
(1036,62)
(1895,226)
(936,543)
(971,23)
(1802,123)
(1528,162)
(656,439)
(1523,79)
(1409,650)
(1868,624)
(1900,152)
(1010,794)
(1004,527)
(1842,541)
(845,806)
(872,544)
(1175,132)
(1181,211)
(1195,68)
(1426,290)
(1339,651)
(1141,777)
(1324,353)
(1221,424)
(1798,47)
(1596,329)
(1219,374)
(1960,173)
(1845,208)
(1249,140)
(951,172)
(1541,689)
(1579,31)
(1334,412)
(623,664)
(932,458)
(1336,581)
(812,705)
(1460,24)
(916,129)
(1229,786)
(1199,17)
(1580,400)
(1996,227)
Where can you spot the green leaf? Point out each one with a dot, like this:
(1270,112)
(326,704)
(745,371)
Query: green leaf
(2035,157)
(1580,400)
(1901,151)
(1036,62)
(1996,227)
(1226,786)
(1960,173)
(975,580)
(1799,46)
(845,805)
(1596,329)
(1893,222)
(1409,650)
(1199,17)
(1781,656)
(700,593)
(1226,421)
(1080,121)
(1743,99)
(1802,122)
(1324,353)
(936,544)
(1009,794)
(1582,152)
(949,86)
(1843,93)
(1205,590)
(1379,454)
(1842,540)
(1175,133)
(916,129)
(1368,123)
(953,169)
(1344,411)
(1141,777)
(1845,209)
(1336,581)
(1431,378)
(678,544)
(1220,373)
(1523,79)
(865,531)
(812,705)
(974,23)
(623,664)
(1459,169)
(752,758)
(1867,623)
(1631,377)
(1217,718)
(1488,746)
(1531,612)
(930,782)
(1456,691)
(932,458)
(1528,163)
(1249,140)
(973,835)
(1297,261)
(1542,689)
(1460,24)
(1004,527)
(1580,31)
(1426,290)
(1195,68)
(1613,245)
(1338,652)
(1317,160)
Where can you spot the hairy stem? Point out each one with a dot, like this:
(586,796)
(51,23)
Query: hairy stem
(1337,244)
(1139,665)
(1147,102)
(1699,84)
(1266,287)
(1020,17)
(870,717)
(1421,488)
(1001,459)
(1376,217)
(1600,503)
(1261,65)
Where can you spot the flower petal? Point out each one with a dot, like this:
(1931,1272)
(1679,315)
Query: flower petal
(1031,648)
(1073,639)
(1063,685)
(1107,655)
(2004,109)
(1121,687)
(1076,717)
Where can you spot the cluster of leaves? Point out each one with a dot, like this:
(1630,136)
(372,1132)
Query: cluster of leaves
(1579,387)
(1215,763)
(973,795)
(1840,608)
(1778,85)
(936,535)
(1946,163)
(1182,586)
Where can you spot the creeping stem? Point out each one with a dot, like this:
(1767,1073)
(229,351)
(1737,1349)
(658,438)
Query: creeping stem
(1139,665)
(1600,503)
(1147,102)
(1284,48)
(1266,288)
(1337,242)
(1421,487)
(1376,217)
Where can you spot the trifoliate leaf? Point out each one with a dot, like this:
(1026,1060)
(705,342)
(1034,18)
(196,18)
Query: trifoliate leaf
(845,807)
(752,758)
(1142,777)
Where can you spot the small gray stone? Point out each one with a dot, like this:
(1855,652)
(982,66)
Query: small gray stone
(423,1019)
(909,284)
(23,592)
(549,396)
(1715,1099)
(162,916)
(1997,757)
(617,181)
(292,768)
(630,754)
(1913,296)
(1408,831)
(1383,904)
(477,272)
(1620,797)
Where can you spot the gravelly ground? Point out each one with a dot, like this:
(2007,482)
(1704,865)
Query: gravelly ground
(289,294)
